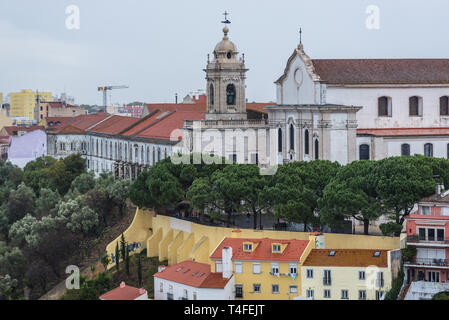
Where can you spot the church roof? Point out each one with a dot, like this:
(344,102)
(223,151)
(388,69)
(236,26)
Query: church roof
(382,71)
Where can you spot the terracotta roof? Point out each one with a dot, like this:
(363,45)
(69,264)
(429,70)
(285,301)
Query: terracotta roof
(163,129)
(193,274)
(443,198)
(75,124)
(346,258)
(114,124)
(263,251)
(124,292)
(201,106)
(443,131)
(383,71)
(58,104)
(10,130)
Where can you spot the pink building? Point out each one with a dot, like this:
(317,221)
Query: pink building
(428,231)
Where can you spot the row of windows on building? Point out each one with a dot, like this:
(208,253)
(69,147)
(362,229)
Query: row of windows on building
(364,150)
(151,156)
(238,268)
(170,296)
(327,277)
(415,106)
(292,142)
(257,288)
(310,294)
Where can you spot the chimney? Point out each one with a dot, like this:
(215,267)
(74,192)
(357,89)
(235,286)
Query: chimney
(226,256)
(123,284)
(439,189)
(161,268)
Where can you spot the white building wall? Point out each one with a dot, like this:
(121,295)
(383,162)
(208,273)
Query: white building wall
(368,98)
(201,293)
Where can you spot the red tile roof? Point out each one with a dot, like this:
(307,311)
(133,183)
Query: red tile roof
(76,124)
(13,130)
(193,274)
(442,198)
(443,131)
(58,104)
(124,292)
(383,71)
(263,251)
(114,124)
(346,258)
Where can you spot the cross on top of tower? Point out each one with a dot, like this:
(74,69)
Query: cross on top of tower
(300,35)
(226,21)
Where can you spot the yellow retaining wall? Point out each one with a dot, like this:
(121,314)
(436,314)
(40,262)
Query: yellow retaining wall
(176,245)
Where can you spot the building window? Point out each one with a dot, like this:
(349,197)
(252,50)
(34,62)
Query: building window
(425,211)
(362,294)
(444,106)
(306,142)
(256,268)
(247,247)
(344,294)
(161,287)
(293,268)
(230,94)
(428,150)
(62,146)
(256,288)
(327,294)
(309,273)
(279,140)
(293,289)
(421,234)
(317,149)
(276,248)
(275,268)
(380,279)
(405,150)
(362,275)
(239,291)
(292,137)
(218,266)
(364,152)
(211,95)
(379,295)
(445,212)
(274,288)
(238,266)
(327,280)
(309,293)
(415,106)
(194,296)
(384,107)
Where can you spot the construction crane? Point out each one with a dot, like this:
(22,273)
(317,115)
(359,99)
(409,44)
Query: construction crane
(105,91)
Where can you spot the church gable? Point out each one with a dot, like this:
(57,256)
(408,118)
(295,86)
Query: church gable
(299,84)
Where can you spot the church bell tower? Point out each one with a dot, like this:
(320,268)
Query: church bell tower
(225,76)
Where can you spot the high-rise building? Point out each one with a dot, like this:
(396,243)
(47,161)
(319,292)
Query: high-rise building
(23,103)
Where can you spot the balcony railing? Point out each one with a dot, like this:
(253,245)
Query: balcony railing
(429,262)
(437,240)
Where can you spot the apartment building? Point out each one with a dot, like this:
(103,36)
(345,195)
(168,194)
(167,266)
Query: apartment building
(23,103)
(348,274)
(265,269)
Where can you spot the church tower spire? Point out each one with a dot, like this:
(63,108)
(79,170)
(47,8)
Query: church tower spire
(225,76)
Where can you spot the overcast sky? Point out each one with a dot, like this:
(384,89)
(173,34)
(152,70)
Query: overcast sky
(160,47)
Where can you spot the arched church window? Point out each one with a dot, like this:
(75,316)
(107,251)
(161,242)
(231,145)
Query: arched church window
(428,150)
(415,106)
(405,150)
(230,94)
(444,106)
(384,107)
(306,142)
(211,95)
(317,149)
(279,140)
(364,152)
(292,137)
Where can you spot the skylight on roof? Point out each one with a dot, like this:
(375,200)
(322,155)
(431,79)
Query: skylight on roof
(202,274)
(187,271)
(195,273)
(179,269)
(332,253)
(377,254)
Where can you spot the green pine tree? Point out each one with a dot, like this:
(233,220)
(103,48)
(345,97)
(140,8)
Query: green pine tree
(117,257)
(139,270)
(127,260)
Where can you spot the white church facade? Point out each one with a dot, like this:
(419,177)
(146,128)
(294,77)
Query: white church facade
(332,109)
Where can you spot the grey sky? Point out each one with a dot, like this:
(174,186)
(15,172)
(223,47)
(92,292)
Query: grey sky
(159,47)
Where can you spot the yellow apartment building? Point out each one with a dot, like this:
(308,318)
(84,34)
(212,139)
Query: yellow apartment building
(265,269)
(23,103)
(348,274)
(1,99)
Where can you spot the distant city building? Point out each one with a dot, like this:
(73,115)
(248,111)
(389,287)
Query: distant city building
(23,103)
(58,109)
(427,231)
(125,292)
(27,147)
